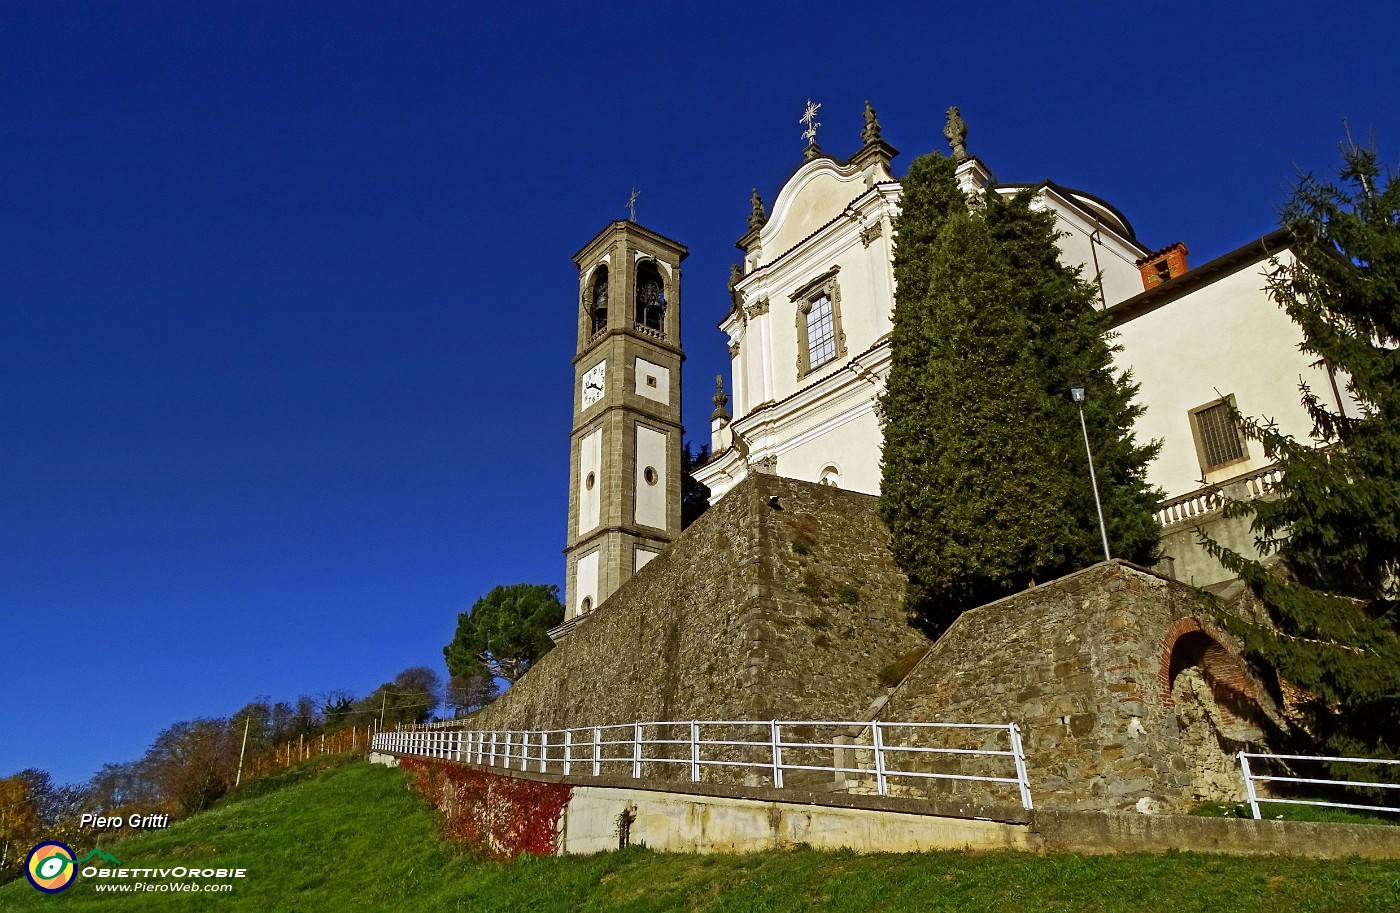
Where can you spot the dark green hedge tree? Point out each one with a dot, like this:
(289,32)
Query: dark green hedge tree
(1334,518)
(505,632)
(985,479)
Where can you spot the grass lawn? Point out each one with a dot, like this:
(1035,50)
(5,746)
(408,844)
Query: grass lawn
(356,839)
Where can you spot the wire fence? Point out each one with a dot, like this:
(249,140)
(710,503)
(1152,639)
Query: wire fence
(786,753)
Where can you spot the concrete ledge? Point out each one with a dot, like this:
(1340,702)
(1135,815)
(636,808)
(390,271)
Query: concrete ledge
(604,818)
(1101,833)
(704,817)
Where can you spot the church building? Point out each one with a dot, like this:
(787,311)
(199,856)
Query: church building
(808,328)
(813,307)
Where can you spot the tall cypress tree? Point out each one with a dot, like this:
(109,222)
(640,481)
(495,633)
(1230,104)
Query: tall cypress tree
(1334,518)
(985,484)
(1068,341)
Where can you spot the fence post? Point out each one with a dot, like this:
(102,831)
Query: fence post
(505,758)
(636,751)
(694,752)
(1022,777)
(525,750)
(777,755)
(568,745)
(597,744)
(878,743)
(544,750)
(1249,785)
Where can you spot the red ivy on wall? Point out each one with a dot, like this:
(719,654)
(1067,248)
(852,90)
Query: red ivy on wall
(497,815)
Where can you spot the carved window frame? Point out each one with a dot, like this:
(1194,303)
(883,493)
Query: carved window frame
(824,286)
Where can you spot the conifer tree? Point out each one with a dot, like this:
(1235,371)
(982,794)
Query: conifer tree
(985,482)
(1334,517)
(1068,342)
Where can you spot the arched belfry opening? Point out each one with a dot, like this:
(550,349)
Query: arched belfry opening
(597,302)
(651,297)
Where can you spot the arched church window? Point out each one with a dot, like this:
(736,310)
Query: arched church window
(598,299)
(651,297)
(831,476)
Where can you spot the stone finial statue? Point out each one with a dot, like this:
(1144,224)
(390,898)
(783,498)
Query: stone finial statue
(736,274)
(757,217)
(871,133)
(956,131)
(720,400)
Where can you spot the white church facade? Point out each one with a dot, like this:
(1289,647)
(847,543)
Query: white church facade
(809,327)
(813,306)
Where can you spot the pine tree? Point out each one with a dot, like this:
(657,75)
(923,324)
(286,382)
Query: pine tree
(985,483)
(1334,517)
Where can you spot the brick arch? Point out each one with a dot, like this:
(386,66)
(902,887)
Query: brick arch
(1190,643)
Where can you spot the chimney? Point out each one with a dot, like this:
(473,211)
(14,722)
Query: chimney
(1167,263)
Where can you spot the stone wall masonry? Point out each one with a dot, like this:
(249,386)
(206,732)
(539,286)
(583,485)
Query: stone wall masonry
(1084,665)
(756,612)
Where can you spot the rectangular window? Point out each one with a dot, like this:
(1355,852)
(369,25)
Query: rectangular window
(1218,438)
(821,333)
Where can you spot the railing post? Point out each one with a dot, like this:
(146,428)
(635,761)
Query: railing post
(525,750)
(568,747)
(505,756)
(878,743)
(694,752)
(777,754)
(636,751)
(597,744)
(544,750)
(1022,777)
(1249,786)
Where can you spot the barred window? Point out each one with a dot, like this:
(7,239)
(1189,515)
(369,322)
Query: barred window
(821,333)
(1217,435)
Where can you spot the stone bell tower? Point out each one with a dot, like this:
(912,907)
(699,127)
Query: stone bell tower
(625,447)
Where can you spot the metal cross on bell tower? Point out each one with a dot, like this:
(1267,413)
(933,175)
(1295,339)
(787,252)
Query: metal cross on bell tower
(632,204)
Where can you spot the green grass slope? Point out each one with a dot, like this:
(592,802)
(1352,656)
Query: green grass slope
(356,839)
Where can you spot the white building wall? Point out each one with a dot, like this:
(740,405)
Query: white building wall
(651,494)
(590,462)
(586,581)
(1225,338)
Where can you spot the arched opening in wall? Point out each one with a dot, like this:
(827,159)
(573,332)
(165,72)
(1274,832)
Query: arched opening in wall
(1217,710)
(830,476)
(651,297)
(586,606)
(598,299)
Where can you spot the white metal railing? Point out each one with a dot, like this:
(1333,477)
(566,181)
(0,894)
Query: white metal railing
(1250,778)
(1202,501)
(884,751)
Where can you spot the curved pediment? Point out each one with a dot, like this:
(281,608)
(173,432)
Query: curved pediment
(814,195)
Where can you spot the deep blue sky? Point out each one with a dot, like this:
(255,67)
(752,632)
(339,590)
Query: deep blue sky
(287,306)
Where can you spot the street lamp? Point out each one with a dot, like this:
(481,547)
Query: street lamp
(1076,392)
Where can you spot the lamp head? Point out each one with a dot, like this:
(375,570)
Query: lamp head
(1076,393)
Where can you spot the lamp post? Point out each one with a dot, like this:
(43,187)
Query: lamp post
(1076,392)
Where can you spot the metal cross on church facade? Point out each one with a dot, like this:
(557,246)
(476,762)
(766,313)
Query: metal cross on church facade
(809,118)
(632,204)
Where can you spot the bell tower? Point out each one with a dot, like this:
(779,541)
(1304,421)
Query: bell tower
(625,447)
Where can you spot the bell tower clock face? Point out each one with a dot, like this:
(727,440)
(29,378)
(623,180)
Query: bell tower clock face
(593,384)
